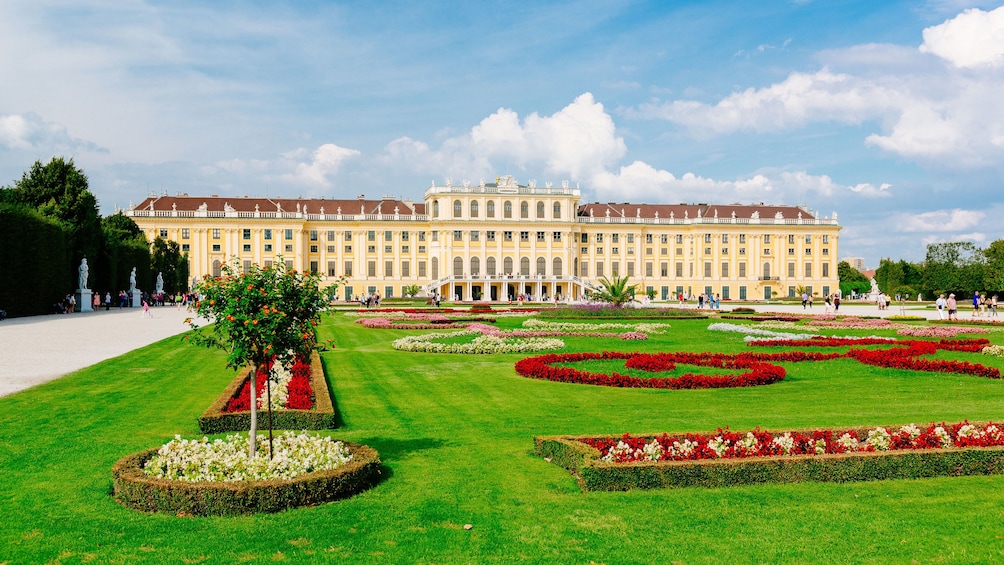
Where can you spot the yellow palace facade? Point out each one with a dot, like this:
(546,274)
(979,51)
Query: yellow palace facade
(496,241)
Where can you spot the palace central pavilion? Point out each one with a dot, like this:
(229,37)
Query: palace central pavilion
(495,241)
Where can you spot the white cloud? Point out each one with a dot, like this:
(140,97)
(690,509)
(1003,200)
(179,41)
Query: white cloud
(954,220)
(30,132)
(325,161)
(641,182)
(578,141)
(973,39)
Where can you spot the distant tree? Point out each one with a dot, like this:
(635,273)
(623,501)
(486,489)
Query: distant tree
(167,259)
(58,190)
(852,280)
(616,291)
(125,247)
(889,275)
(955,266)
(993,269)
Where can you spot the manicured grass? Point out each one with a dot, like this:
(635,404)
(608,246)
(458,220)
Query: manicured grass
(455,434)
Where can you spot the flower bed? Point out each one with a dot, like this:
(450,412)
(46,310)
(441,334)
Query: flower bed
(903,354)
(940,331)
(321,415)
(900,355)
(759,372)
(134,488)
(482,344)
(290,388)
(725,458)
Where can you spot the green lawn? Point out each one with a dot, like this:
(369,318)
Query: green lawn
(455,434)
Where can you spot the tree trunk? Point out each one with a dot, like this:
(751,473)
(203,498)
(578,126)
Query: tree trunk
(253,434)
(268,389)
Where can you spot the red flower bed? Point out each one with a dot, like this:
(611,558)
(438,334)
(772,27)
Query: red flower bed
(760,373)
(299,392)
(726,444)
(900,355)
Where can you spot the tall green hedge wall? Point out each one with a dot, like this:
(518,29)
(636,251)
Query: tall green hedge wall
(33,262)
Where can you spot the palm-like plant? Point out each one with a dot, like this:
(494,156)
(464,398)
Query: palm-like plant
(616,291)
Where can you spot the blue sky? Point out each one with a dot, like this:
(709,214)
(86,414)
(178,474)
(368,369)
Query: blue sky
(887,113)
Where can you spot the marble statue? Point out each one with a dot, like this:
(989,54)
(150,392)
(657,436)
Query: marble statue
(82,274)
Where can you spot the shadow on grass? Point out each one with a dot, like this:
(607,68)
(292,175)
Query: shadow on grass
(390,448)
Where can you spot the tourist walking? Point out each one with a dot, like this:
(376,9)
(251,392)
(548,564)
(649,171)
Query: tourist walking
(953,308)
(941,304)
(146,310)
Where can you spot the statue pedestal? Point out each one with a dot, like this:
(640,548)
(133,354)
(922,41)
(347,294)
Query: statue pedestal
(83,298)
(137,298)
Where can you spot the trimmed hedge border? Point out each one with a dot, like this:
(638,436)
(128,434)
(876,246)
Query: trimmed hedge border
(321,417)
(134,489)
(594,474)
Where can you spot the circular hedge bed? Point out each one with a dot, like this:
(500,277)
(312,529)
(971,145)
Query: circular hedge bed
(134,489)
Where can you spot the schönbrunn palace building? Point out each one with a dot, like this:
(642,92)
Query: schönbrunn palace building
(493,241)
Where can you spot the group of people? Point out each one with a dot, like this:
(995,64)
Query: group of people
(371,300)
(983,306)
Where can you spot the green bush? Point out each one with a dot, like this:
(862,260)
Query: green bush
(134,489)
(34,265)
(596,474)
(323,416)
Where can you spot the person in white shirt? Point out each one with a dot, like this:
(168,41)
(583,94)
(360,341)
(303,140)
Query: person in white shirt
(942,304)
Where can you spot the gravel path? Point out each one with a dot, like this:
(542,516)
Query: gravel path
(38,349)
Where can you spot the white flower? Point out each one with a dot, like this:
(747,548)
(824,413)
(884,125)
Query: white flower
(785,442)
(653,451)
(227,459)
(719,445)
(879,438)
(848,442)
(911,430)
(944,438)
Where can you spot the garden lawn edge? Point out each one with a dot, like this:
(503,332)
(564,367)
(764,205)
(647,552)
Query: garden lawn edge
(321,417)
(594,474)
(134,489)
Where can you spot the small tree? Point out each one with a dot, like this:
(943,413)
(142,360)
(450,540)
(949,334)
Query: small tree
(260,314)
(616,291)
(411,290)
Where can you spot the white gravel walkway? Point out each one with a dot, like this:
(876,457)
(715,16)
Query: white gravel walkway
(37,349)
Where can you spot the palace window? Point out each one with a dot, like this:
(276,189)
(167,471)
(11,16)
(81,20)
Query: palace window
(458,209)
(557,210)
(491,209)
(184,233)
(540,209)
(524,210)
(507,209)
(474,209)
(289,234)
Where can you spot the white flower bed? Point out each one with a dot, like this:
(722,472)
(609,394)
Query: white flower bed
(648,328)
(994,350)
(756,333)
(279,377)
(483,344)
(226,460)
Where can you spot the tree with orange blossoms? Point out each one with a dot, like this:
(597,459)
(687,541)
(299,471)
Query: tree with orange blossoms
(260,313)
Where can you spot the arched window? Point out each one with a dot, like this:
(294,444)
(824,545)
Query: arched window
(540,209)
(766,271)
(435,268)
(524,266)
(524,210)
(557,210)
(491,209)
(507,265)
(458,209)
(575,267)
(541,266)
(490,264)
(458,266)
(475,266)
(474,209)
(507,209)
(217,268)
(435,208)
(556,267)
